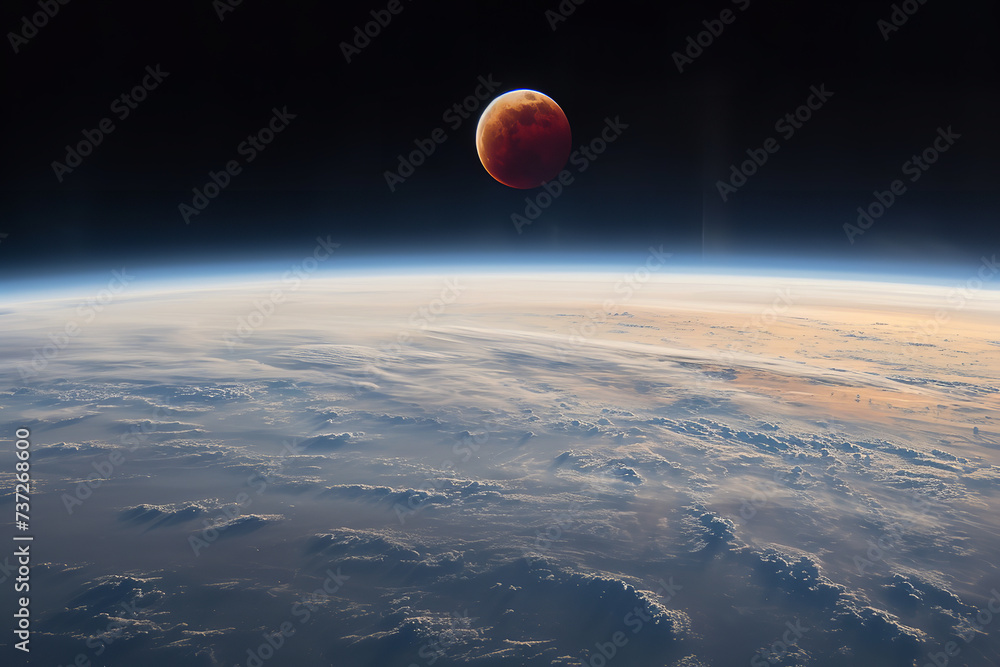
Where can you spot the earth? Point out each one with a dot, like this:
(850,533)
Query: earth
(507,468)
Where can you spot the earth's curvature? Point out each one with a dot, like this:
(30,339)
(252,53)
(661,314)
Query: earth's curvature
(511,469)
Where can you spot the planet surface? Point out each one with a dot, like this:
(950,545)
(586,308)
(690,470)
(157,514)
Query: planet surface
(523,139)
(509,468)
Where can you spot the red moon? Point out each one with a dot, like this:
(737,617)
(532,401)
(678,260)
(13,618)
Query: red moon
(523,139)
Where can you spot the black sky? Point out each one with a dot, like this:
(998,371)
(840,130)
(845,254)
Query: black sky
(656,184)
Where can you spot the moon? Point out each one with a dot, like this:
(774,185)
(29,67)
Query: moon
(523,139)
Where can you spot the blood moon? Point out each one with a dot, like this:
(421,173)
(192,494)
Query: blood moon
(523,139)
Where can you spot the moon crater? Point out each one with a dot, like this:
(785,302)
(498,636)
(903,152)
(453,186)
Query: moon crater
(523,139)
